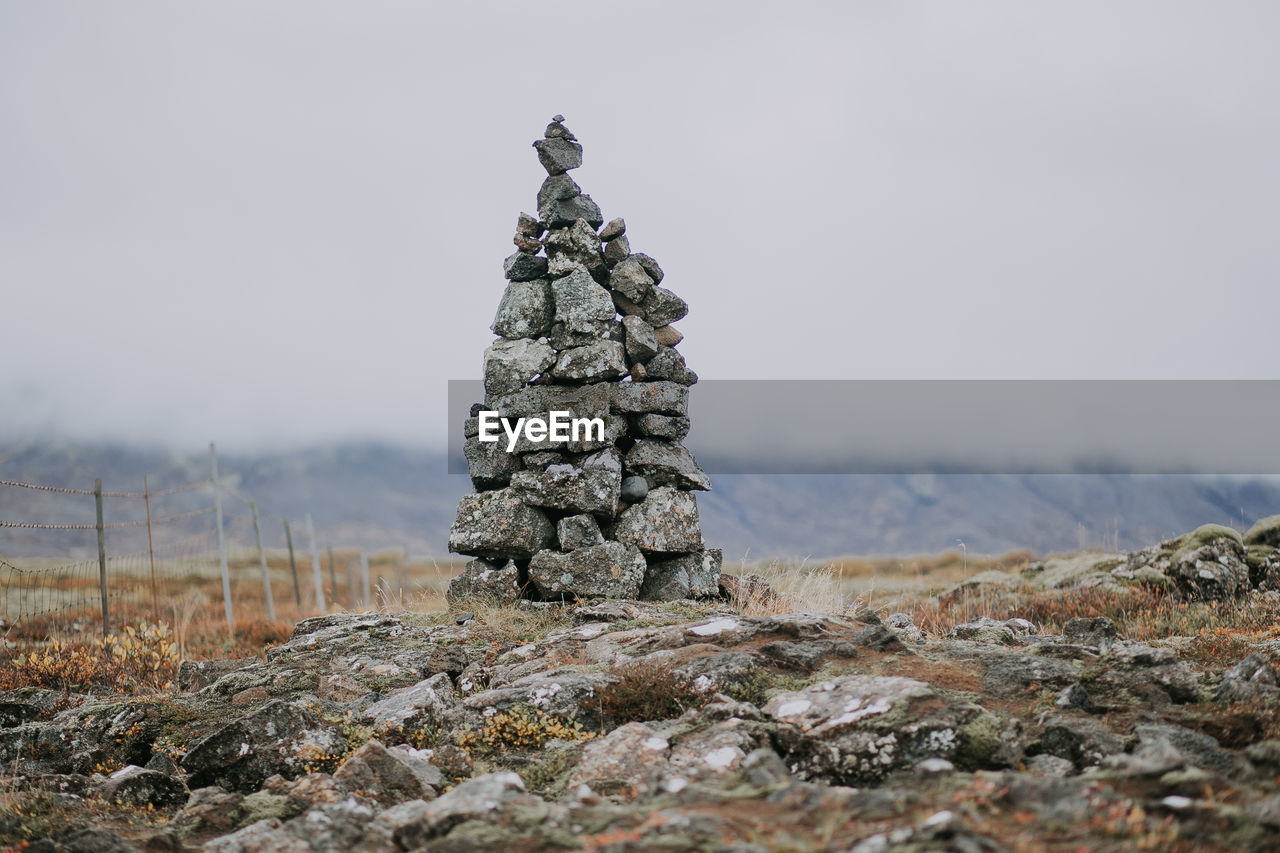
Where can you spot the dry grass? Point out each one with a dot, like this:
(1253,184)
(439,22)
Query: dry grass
(794,588)
(136,660)
(1140,613)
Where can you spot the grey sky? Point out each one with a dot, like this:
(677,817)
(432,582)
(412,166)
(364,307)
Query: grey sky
(284,223)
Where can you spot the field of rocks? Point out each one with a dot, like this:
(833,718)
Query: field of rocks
(1091,701)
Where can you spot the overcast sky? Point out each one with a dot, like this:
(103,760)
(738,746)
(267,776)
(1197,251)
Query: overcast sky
(280,224)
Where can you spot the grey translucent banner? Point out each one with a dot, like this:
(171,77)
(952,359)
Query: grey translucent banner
(1227,427)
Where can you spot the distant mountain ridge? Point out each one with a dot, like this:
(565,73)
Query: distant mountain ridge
(377,495)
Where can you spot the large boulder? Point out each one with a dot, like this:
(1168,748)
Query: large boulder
(510,365)
(1210,564)
(611,569)
(492,798)
(665,522)
(526,310)
(695,575)
(571,488)
(499,524)
(591,362)
(390,775)
(854,729)
(666,464)
(584,313)
(487,581)
(280,738)
(137,786)
(414,708)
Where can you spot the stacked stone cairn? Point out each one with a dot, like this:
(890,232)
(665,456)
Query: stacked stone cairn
(584,327)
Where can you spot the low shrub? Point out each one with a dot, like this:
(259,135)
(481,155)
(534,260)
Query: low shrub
(648,691)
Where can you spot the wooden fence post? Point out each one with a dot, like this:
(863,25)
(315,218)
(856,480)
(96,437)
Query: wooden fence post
(151,551)
(262,561)
(365,598)
(222,541)
(316,577)
(293,565)
(333,576)
(102,554)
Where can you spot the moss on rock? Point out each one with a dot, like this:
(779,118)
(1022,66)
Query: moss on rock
(1265,531)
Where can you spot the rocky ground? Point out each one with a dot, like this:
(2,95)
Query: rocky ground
(629,726)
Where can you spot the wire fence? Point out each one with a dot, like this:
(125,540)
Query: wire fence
(166,554)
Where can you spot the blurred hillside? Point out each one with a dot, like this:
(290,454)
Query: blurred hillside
(377,496)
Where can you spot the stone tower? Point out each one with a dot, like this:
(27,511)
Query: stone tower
(584,329)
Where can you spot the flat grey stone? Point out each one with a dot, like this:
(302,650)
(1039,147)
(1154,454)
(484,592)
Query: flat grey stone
(662,426)
(692,576)
(592,362)
(558,155)
(611,570)
(662,307)
(568,487)
(641,344)
(669,364)
(499,524)
(666,464)
(640,398)
(665,522)
(578,531)
(510,365)
(630,279)
(523,266)
(526,310)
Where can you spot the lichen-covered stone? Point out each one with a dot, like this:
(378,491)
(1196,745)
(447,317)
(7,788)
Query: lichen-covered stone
(499,524)
(510,365)
(557,188)
(415,708)
(558,213)
(669,364)
(642,398)
(489,463)
(616,250)
(275,739)
(662,307)
(487,581)
(390,776)
(523,266)
(665,522)
(640,341)
(662,426)
(526,310)
(611,570)
(630,279)
(591,363)
(854,729)
(558,155)
(650,266)
(695,575)
(583,311)
(666,464)
(578,531)
(575,245)
(570,488)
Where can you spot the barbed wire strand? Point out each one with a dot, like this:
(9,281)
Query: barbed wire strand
(64,490)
